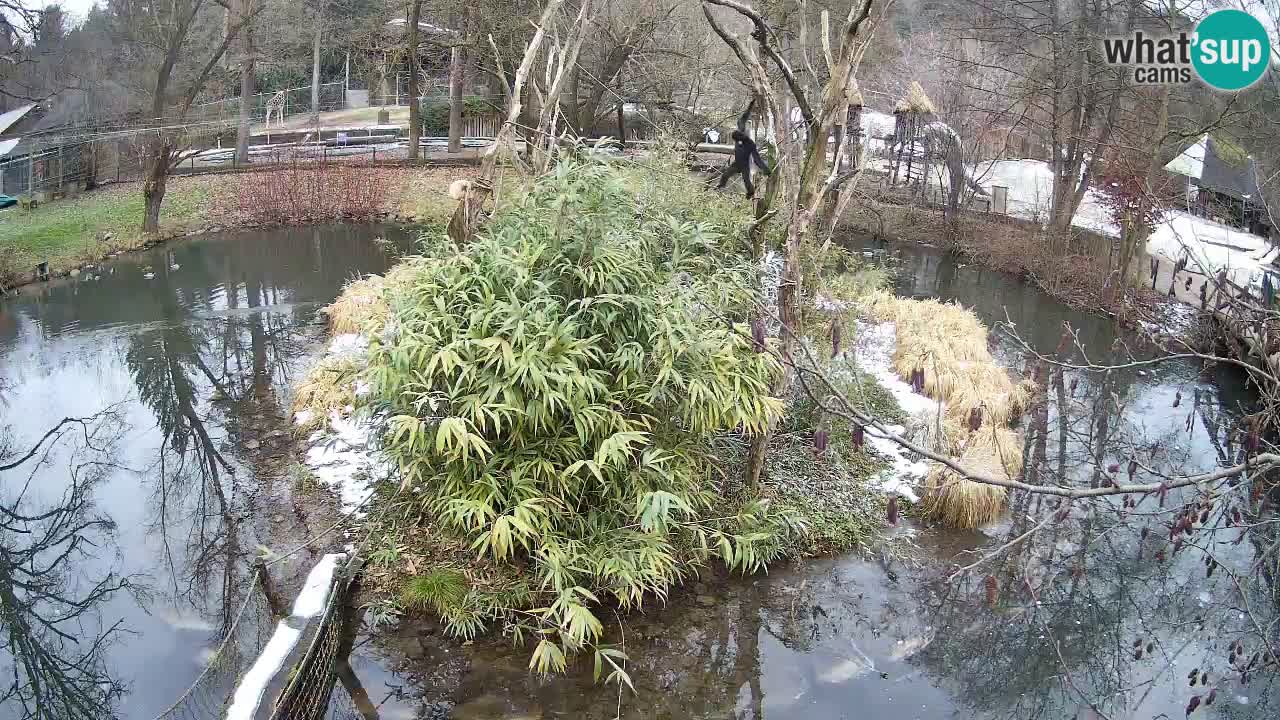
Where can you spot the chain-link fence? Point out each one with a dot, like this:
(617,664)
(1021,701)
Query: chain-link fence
(55,167)
(282,104)
(306,694)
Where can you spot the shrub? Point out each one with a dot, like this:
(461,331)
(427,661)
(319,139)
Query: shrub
(313,192)
(552,392)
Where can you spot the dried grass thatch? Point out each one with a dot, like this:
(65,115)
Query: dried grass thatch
(328,386)
(361,304)
(950,344)
(915,101)
(960,503)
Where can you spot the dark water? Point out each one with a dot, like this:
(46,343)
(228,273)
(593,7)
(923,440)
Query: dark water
(178,490)
(141,525)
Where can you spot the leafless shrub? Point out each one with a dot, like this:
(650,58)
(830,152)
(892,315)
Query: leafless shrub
(313,192)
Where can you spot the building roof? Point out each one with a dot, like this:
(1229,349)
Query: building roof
(1218,166)
(8,119)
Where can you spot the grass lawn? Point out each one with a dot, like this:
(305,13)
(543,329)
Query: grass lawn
(69,232)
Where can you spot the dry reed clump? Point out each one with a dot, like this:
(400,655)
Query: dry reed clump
(949,344)
(361,304)
(328,386)
(960,503)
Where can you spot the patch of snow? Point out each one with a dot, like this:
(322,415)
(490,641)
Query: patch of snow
(345,459)
(1176,319)
(1211,246)
(348,344)
(310,602)
(876,343)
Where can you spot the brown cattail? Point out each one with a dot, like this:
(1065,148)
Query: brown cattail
(757,335)
(1191,706)
(835,338)
(820,441)
(1204,678)
(993,590)
(1213,695)
(859,436)
(1177,398)
(1251,440)
(893,510)
(1194,677)
(1151,647)
(1162,493)
(1074,383)
(975,419)
(1133,469)
(1137,654)
(1113,468)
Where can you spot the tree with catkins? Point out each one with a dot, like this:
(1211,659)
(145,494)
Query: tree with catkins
(811,181)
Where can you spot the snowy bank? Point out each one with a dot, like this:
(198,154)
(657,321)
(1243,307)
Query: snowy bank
(875,346)
(1210,246)
(345,457)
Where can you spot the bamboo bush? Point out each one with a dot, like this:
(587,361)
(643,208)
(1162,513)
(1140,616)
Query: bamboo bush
(553,390)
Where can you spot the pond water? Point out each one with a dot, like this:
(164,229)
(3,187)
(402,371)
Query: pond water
(178,488)
(149,517)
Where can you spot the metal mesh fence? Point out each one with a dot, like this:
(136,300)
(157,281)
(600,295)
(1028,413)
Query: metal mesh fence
(306,695)
(287,102)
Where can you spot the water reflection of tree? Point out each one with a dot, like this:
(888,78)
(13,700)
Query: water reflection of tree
(1092,608)
(208,371)
(51,632)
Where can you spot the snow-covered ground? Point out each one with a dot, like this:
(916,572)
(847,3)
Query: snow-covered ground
(345,457)
(1209,246)
(876,343)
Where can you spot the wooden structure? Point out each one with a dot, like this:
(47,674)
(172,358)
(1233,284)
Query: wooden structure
(912,113)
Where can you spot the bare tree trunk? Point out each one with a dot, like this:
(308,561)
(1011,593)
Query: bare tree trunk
(415,130)
(315,71)
(570,107)
(457,66)
(247,82)
(622,114)
(154,186)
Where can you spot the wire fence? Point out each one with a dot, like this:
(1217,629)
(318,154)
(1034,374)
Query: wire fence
(51,169)
(310,684)
(281,104)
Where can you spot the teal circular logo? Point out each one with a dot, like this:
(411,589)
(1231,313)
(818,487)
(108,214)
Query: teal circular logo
(1231,50)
